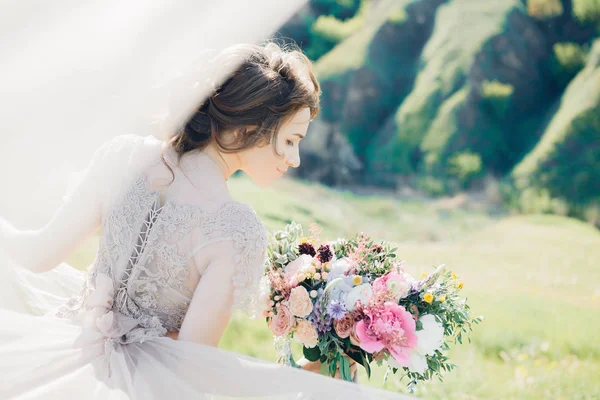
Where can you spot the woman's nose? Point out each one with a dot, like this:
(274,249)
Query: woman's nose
(294,160)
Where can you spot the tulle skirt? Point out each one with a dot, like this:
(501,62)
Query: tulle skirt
(46,357)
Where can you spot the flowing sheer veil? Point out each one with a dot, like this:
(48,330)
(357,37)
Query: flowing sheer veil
(75,73)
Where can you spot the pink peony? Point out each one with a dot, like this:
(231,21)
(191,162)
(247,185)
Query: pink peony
(388,326)
(282,322)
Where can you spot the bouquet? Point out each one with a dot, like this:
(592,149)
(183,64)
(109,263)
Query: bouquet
(352,298)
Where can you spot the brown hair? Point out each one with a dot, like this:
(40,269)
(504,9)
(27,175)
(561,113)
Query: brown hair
(270,85)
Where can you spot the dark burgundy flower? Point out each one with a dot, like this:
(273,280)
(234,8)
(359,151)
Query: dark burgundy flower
(377,248)
(325,254)
(307,248)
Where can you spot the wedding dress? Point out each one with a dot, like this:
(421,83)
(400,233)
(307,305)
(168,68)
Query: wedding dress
(100,333)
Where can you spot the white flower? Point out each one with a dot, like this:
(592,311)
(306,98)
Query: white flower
(430,339)
(299,264)
(361,292)
(398,287)
(338,267)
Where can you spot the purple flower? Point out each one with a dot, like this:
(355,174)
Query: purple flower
(336,309)
(320,319)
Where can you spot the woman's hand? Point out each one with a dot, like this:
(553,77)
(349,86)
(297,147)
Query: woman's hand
(173,335)
(315,366)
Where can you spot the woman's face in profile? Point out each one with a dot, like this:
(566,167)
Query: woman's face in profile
(263,165)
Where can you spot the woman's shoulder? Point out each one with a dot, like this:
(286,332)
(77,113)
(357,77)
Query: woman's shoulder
(241,221)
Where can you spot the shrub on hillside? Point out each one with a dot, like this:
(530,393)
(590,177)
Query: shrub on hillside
(544,9)
(568,59)
(497,95)
(465,167)
(587,12)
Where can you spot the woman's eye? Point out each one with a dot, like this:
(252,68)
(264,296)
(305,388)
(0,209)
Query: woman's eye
(290,143)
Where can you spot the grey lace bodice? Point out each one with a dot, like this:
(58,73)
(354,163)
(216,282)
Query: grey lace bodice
(143,278)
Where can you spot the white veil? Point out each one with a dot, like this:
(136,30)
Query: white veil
(76,73)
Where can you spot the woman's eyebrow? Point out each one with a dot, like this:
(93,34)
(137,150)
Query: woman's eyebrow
(301,136)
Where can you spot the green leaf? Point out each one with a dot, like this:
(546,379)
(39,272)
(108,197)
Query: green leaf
(345,369)
(333,365)
(365,364)
(324,368)
(311,354)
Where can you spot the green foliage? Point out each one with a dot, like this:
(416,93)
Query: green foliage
(397,16)
(431,185)
(341,9)
(567,60)
(465,166)
(571,169)
(497,96)
(587,12)
(544,9)
(328,30)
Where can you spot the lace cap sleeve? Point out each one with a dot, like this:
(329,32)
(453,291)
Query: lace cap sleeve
(250,240)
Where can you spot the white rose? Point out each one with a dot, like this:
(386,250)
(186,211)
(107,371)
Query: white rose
(361,292)
(305,333)
(300,303)
(429,339)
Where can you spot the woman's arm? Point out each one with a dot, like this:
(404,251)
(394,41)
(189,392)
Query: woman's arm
(42,249)
(211,306)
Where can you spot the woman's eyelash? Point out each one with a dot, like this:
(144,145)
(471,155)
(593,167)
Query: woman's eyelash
(289,142)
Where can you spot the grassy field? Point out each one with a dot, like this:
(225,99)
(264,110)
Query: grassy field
(535,279)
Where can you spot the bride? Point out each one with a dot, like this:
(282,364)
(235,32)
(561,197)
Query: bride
(177,256)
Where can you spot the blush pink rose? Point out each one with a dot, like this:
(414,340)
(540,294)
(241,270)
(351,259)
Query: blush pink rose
(306,333)
(388,326)
(343,327)
(282,322)
(300,302)
(354,336)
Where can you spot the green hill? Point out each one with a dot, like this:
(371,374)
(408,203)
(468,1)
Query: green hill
(440,95)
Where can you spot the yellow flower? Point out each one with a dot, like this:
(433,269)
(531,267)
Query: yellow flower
(460,285)
(423,275)
(428,297)
(303,240)
(357,280)
(325,266)
(454,276)
(442,298)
